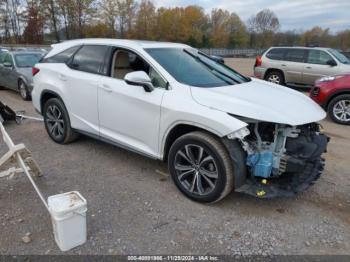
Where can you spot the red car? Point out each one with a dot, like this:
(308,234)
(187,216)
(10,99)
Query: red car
(333,94)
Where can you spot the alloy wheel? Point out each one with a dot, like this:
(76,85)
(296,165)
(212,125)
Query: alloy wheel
(23,90)
(196,169)
(274,79)
(55,122)
(341,110)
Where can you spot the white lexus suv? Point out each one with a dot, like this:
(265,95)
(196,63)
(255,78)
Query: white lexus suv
(218,130)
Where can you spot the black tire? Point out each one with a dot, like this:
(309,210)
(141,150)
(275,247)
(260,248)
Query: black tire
(336,104)
(275,77)
(63,133)
(221,164)
(23,90)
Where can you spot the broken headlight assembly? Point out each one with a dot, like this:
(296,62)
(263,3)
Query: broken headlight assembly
(281,160)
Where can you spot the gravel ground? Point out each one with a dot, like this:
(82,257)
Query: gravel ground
(134,209)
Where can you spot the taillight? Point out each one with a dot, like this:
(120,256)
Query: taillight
(35,70)
(258,61)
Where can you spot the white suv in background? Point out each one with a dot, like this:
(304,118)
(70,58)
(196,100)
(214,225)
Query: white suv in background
(217,129)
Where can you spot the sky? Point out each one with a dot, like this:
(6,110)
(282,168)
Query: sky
(292,14)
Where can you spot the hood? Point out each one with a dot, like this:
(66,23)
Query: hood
(262,101)
(26,72)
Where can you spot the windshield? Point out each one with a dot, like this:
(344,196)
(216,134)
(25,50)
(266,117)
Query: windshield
(27,60)
(190,67)
(339,56)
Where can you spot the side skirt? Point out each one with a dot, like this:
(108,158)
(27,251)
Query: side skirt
(111,142)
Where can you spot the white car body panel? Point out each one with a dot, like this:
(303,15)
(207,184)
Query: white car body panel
(178,107)
(141,121)
(129,115)
(262,101)
(77,89)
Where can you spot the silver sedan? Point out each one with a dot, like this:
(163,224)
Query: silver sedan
(16,71)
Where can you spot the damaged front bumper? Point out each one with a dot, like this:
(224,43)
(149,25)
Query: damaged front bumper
(282,161)
(287,185)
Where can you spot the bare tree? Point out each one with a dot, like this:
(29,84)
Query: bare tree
(34,19)
(264,21)
(109,13)
(51,11)
(75,15)
(5,20)
(126,15)
(11,15)
(262,28)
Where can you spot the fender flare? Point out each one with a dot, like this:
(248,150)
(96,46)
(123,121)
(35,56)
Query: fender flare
(340,92)
(163,142)
(46,92)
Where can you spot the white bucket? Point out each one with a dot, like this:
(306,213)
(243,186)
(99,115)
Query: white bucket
(68,215)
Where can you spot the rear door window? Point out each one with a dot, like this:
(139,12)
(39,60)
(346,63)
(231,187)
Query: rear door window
(295,55)
(276,54)
(318,57)
(90,59)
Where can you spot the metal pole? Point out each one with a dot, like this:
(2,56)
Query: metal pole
(30,117)
(24,167)
(10,144)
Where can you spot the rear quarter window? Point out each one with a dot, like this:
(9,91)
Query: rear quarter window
(276,54)
(62,57)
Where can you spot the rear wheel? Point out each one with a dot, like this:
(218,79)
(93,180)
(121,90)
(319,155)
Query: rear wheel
(201,167)
(23,90)
(57,122)
(275,77)
(339,109)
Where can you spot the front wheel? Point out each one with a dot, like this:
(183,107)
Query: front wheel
(339,109)
(201,167)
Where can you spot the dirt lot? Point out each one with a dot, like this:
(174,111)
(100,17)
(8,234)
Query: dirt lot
(132,209)
(242,65)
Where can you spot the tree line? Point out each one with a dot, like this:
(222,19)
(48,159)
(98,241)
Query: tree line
(50,21)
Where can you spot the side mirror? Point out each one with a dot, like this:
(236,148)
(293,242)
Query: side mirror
(7,65)
(139,78)
(331,62)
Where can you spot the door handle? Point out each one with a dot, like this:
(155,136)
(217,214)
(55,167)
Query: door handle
(309,67)
(62,77)
(106,88)
(283,65)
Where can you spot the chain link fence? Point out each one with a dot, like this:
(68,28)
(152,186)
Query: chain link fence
(223,52)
